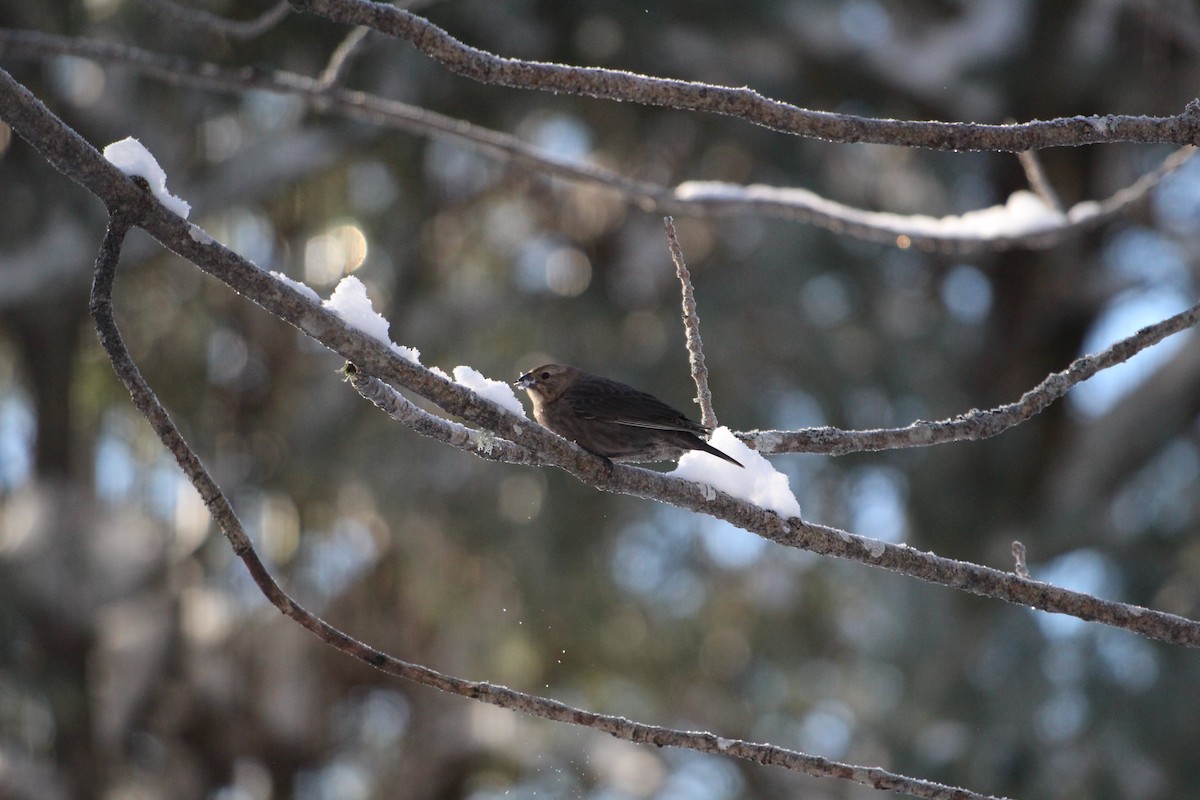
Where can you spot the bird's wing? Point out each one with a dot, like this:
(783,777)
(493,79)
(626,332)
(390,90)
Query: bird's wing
(628,406)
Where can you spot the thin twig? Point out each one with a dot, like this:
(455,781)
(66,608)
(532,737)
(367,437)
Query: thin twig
(342,56)
(1038,181)
(691,328)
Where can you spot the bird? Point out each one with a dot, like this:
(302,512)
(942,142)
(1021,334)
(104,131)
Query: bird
(611,419)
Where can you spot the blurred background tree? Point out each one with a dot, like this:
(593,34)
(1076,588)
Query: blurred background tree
(137,660)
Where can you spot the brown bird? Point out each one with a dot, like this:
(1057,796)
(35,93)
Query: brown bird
(609,418)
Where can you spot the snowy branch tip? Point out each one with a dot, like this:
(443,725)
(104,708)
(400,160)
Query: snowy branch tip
(1023,214)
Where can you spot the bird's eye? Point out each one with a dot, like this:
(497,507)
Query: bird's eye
(545,376)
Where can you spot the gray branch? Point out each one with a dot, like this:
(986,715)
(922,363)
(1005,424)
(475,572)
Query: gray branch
(974,425)
(749,105)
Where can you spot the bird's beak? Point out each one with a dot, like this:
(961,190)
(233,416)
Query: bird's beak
(525,381)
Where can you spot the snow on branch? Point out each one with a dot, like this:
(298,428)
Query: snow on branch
(133,159)
(1026,219)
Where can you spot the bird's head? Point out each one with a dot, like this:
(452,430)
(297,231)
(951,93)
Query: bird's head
(548,381)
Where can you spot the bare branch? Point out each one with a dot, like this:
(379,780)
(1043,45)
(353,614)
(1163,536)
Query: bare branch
(142,396)
(975,424)
(747,104)
(693,198)
(691,328)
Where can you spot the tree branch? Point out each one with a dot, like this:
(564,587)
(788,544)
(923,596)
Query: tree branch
(1005,228)
(974,425)
(503,436)
(144,399)
(747,104)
